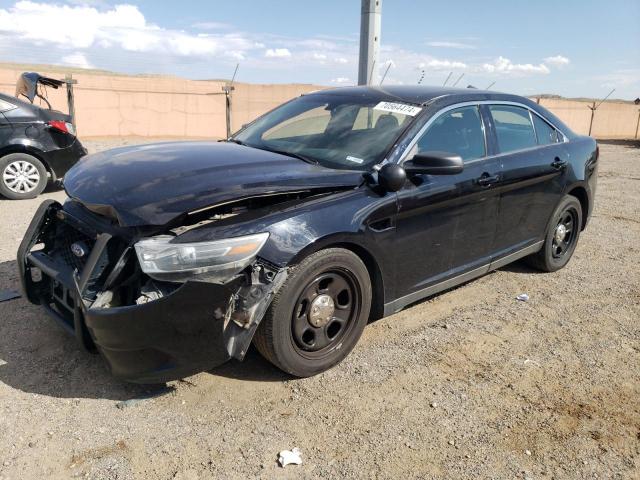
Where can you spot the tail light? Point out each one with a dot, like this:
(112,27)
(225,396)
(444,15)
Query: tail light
(62,126)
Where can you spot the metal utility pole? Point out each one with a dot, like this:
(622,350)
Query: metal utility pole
(370,28)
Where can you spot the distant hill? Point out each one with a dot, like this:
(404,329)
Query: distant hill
(577,99)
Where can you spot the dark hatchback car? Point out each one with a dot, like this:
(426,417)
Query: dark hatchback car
(37,146)
(334,208)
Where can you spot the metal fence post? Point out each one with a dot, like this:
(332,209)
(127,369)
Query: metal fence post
(593,112)
(70,82)
(227,89)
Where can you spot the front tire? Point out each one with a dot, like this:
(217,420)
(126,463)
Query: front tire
(561,239)
(22,176)
(318,315)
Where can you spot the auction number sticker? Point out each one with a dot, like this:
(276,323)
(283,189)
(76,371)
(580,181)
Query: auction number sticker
(398,108)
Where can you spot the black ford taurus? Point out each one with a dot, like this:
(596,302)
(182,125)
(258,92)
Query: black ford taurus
(334,208)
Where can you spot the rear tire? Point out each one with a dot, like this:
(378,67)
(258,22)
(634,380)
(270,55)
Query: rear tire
(22,176)
(561,239)
(318,315)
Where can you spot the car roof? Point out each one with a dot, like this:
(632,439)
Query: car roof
(417,94)
(421,94)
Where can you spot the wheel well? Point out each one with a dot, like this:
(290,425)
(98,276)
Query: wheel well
(377,287)
(581,194)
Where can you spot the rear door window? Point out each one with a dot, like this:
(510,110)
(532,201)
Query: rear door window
(546,133)
(513,126)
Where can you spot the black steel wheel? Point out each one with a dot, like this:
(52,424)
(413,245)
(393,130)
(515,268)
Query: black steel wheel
(564,233)
(318,315)
(325,311)
(561,238)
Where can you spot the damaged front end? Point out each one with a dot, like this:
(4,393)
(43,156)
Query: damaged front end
(151,317)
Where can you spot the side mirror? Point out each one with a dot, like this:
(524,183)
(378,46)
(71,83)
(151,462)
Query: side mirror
(392,177)
(434,163)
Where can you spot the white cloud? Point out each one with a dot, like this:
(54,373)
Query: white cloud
(212,26)
(92,33)
(628,77)
(277,53)
(122,26)
(76,59)
(558,61)
(446,44)
(505,66)
(436,64)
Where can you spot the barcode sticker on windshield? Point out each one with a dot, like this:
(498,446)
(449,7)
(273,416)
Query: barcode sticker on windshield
(398,108)
(355,159)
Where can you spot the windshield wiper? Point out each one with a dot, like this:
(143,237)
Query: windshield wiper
(281,152)
(292,154)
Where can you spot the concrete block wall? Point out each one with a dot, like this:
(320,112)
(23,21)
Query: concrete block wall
(109,104)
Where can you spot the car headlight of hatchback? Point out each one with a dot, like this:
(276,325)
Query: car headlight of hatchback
(209,261)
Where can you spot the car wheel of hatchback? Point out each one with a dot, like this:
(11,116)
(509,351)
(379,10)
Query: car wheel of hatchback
(23,176)
(563,231)
(318,315)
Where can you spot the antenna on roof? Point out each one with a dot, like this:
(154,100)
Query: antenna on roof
(594,107)
(421,78)
(385,73)
(459,78)
(448,77)
(490,85)
(373,69)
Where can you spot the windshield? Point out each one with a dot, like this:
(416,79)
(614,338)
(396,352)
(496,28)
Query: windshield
(335,131)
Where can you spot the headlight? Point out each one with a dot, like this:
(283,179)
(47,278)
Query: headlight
(210,261)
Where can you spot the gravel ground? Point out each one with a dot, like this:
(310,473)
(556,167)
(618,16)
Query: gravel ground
(469,384)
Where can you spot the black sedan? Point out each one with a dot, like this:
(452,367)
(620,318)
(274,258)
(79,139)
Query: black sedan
(335,208)
(37,146)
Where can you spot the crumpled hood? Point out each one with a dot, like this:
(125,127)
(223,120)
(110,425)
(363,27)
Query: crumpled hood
(153,184)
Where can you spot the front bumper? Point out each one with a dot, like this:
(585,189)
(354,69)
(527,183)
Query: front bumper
(187,331)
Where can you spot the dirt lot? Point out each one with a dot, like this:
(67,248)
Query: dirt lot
(470,384)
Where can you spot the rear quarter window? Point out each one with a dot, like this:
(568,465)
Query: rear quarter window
(545,133)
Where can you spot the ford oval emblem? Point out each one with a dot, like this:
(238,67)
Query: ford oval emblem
(78,249)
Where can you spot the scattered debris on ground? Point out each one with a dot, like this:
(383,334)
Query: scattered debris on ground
(6,295)
(290,457)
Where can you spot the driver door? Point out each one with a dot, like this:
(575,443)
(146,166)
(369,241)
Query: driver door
(446,223)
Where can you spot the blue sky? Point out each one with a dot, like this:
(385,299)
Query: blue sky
(573,48)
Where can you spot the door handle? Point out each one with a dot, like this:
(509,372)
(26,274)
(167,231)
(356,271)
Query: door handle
(486,180)
(559,164)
